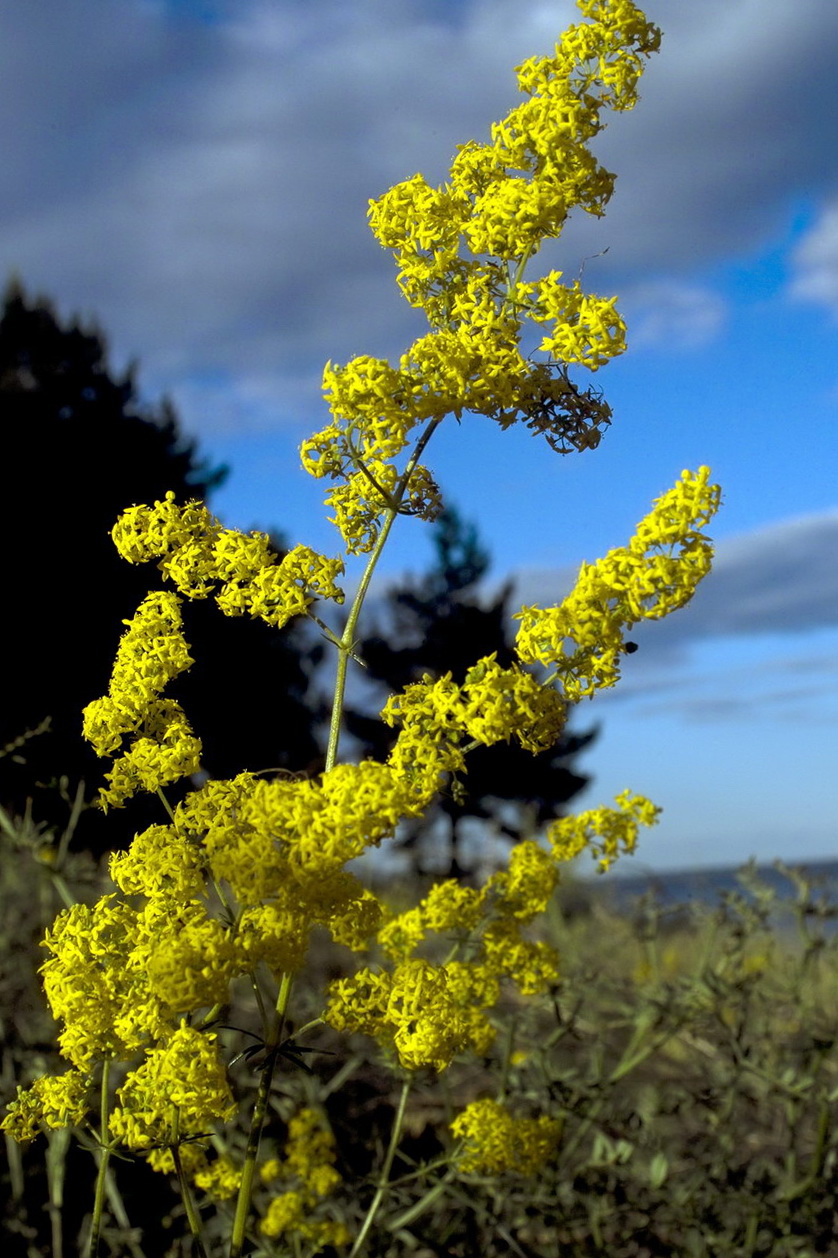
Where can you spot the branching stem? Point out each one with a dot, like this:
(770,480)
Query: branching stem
(104,1160)
(260,1109)
(347,642)
(384,1179)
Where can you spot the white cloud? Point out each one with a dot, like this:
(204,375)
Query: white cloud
(815,261)
(672,314)
(202,188)
(780,579)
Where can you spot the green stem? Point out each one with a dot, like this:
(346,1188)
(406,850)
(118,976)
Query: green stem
(104,1159)
(413,1212)
(383,1183)
(512,281)
(260,1109)
(300,1031)
(508,1050)
(347,641)
(188,1203)
(64,892)
(56,1170)
(166,803)
(636,1050)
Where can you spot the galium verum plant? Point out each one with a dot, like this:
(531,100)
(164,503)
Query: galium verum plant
(234,879)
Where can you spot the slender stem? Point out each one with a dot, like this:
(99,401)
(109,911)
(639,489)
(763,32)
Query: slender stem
(260,1109)
(260,1002)
(166,803)
(64,892)
(512,281)
(56,1170)
(307,1027)
(379,489)
(104,1159)
(383,1183)
(507,1059)
(418,1207)
(188,1203)
(347,641)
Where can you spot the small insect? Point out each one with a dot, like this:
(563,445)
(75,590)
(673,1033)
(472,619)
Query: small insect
(630,648)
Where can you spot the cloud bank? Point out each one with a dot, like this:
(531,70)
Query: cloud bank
(777,580)
(201,185)
(757,640)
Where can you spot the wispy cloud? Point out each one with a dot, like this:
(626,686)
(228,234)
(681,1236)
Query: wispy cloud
(781,579)
(796,689)
(815,260)
(673,313)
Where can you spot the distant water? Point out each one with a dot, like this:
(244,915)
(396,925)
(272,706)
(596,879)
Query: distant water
(707,886)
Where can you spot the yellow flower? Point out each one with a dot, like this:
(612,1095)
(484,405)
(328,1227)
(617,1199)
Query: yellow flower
(197,553)
(54,1101)
(604,830)
(180,1090)
(655,574)
(91,981)
(461,249)
(220,1178)
(159,859)
(525,889)
(413,1010)
(309,1158)
(496,1142)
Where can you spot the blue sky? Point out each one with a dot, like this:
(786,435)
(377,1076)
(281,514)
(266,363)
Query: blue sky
(196,177)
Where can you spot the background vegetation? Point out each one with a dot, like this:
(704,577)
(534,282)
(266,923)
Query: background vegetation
(689,1053)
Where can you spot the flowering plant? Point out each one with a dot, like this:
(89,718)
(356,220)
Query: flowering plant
(232,883)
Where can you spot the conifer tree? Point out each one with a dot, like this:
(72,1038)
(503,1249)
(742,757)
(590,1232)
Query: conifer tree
(441,624)
(78,446)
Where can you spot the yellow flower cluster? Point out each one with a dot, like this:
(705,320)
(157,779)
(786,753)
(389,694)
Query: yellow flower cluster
(418,1009)
(604,830)
(655,574)
(163,748)
(281,847)
(309,1159)
(54,1100)
(587,330)
(496,1142)
(361,501)
(119,976)
(220,1178)
(461,249)
(161,862)
(492,705)
(95,983)
(429,1013)
(196,553)
(179,1091)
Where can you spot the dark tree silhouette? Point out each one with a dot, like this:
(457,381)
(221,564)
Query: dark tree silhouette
(439,625)
(78,447)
